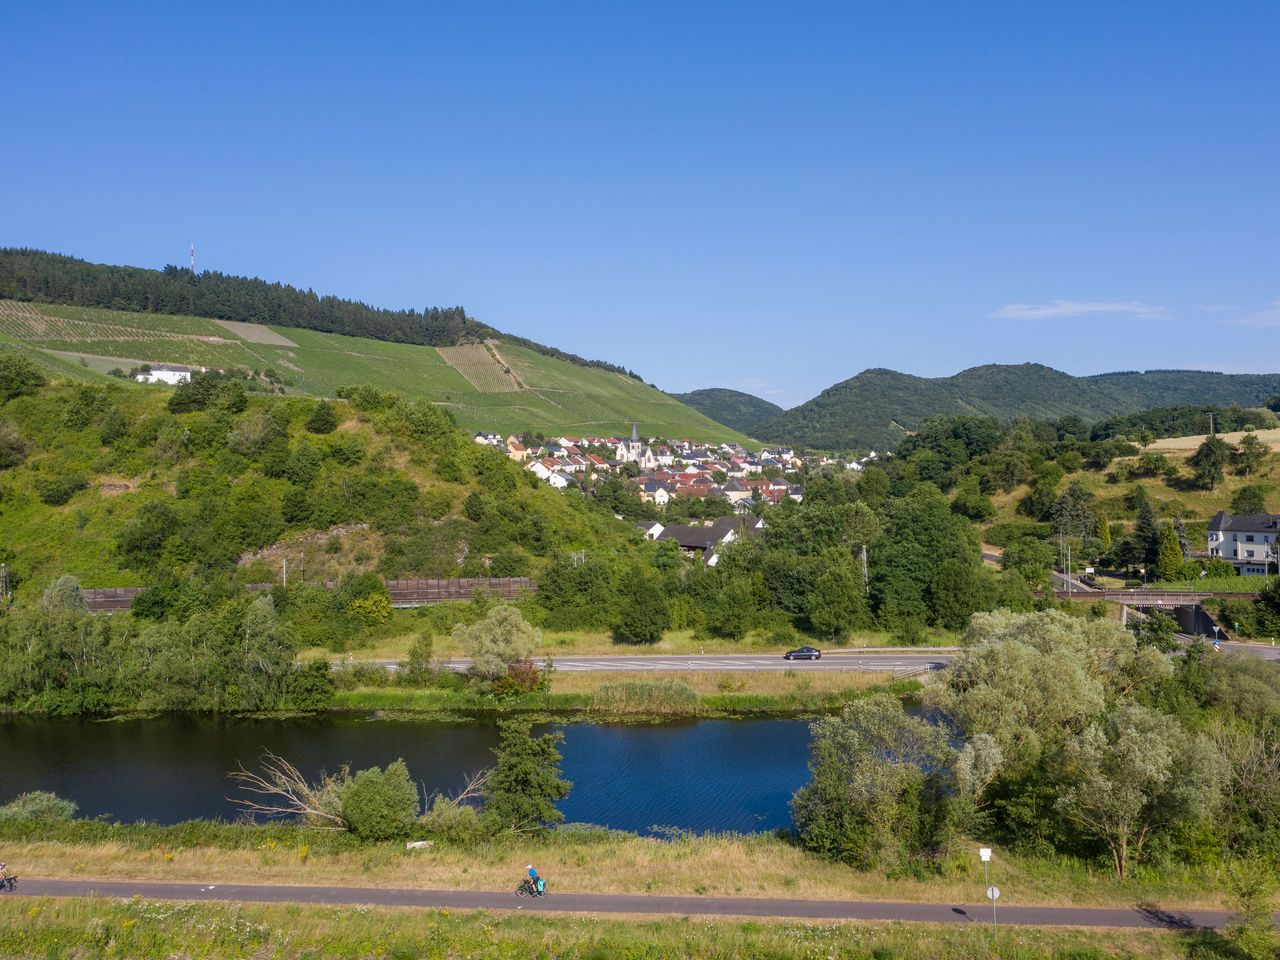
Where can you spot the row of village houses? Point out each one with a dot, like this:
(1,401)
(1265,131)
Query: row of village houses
(667,469)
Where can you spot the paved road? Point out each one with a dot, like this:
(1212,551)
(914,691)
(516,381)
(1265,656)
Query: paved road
(882,660)
(1137,916)
(889,661)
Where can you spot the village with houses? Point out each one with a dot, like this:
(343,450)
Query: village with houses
(661,470)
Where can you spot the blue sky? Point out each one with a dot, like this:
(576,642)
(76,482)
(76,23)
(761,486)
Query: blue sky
(770,197)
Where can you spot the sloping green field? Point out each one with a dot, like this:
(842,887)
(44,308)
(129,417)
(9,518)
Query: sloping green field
(555,396)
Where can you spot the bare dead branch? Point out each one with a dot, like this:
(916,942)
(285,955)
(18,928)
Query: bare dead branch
(287,793)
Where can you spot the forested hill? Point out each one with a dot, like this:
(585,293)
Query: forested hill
(878,407)
(53,278)
(733,408)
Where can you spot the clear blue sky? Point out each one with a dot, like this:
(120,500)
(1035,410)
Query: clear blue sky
(770,196)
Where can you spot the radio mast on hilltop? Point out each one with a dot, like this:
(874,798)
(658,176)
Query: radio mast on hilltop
(193,258)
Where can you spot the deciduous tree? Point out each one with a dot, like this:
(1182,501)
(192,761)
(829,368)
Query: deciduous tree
(1132,774)
(497,641)
(878,780)
(1250,454)
(1249,500)
(1210,460)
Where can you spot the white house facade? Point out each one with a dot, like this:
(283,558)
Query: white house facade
(1249,543)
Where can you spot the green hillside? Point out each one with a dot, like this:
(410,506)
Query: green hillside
(495,386)
(733,408)
(877,408)
(106,484)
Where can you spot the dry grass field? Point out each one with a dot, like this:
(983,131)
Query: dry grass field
(750,865)
(1269,437)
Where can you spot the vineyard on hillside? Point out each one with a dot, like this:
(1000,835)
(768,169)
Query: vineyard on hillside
(501,387)
(479,363)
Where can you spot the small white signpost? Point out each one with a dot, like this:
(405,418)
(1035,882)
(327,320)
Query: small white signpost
(993,892)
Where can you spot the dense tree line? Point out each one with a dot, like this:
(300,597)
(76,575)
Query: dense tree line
(804,571)
(1184,421)
(1065,736)
(232,655)
(52,278)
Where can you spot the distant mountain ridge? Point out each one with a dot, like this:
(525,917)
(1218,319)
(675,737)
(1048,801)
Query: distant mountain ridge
(878,407)
(733,408)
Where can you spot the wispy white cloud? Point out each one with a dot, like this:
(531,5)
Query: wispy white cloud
(1063,309)
(1268,316)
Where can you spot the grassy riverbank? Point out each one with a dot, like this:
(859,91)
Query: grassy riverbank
(45,928)
(577,860)
(636,695)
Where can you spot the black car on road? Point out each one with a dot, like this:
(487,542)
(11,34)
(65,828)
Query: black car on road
(803,653)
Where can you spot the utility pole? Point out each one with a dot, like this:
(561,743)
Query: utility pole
(866,581)
(284,571)
(1211,424)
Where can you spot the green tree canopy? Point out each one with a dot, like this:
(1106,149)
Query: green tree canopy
(1134,773)
(878,783)
(500,639)
(523,788)
(1210,460)
(18,376)
(1249,500)
(1169,562)
(323,418)
(380,804)
(1250,454)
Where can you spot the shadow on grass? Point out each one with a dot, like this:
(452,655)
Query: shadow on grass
(1199,943)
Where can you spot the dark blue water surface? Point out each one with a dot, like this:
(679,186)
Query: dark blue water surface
(701,776)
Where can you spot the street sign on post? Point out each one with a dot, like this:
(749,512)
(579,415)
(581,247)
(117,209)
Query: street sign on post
(993,892)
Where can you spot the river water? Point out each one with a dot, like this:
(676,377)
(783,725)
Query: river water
(701,775)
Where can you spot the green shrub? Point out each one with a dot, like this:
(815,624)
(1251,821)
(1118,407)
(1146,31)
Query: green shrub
(380,804)
(910,634)
(38,806)
(1003,534)
(455,823)
(322,419)
(55,491)
(18,376)
(311,686)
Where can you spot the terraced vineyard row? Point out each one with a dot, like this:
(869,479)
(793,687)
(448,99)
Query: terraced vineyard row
(479,364)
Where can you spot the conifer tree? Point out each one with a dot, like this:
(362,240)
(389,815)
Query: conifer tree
(1169,563)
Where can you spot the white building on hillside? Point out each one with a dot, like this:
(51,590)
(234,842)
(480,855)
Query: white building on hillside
(165,373)
(1248,543)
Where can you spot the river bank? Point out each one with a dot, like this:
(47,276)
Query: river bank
(626,696)
(600,696)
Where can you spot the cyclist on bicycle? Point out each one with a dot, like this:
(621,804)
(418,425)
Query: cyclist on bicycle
(534,881)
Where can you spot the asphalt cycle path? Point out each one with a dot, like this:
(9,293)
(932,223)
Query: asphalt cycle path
(1142,915)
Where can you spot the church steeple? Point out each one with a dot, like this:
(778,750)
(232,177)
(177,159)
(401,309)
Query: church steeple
(635,432)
